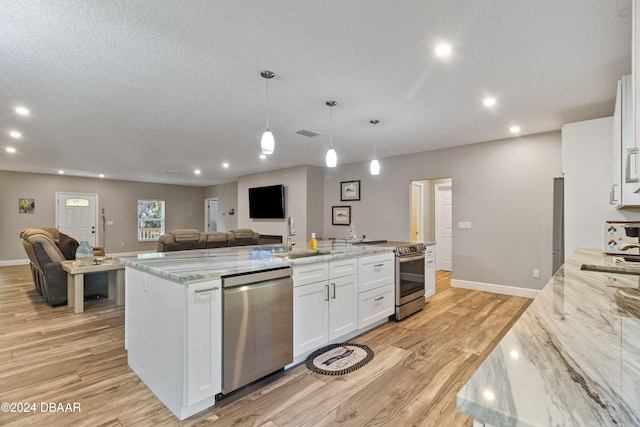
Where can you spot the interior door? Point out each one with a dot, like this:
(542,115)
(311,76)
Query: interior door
(417,215)
(211,215)
(444,227)
(77,216)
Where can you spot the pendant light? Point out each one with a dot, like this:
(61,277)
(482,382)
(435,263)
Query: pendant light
(267,143)
(332,157)
(375,164)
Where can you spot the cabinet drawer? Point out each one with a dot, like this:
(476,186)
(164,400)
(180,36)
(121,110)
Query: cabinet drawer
(376,270)
(311,273)
(376,304)
(343,267)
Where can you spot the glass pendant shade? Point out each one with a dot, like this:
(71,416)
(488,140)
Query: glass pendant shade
(267,143)
(332,158)
(375,167)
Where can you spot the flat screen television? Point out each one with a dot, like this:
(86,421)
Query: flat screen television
(266,202)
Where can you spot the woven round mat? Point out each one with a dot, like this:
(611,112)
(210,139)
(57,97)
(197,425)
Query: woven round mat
(339,359)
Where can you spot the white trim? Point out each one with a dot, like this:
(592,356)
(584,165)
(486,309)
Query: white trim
(13,262)
(496,289)
(420,213)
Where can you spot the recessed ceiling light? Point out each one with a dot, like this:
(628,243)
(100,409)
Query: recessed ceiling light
(11,150)
(15,134)
(263,156)
(489,102)
(22,111)
(101,175)
(514,129)
(225,165)
(443,50)
(197,172)
(61,172)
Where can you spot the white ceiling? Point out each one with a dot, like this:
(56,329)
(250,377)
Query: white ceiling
(131,88)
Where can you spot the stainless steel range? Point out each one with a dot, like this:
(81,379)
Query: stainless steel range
(410,277)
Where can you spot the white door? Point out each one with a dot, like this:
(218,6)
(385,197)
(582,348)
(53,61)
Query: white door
(211,215)
(444,226)
(77,216)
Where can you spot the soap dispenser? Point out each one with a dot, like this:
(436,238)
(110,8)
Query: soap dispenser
(313,242)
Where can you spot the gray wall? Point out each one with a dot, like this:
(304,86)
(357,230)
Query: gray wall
(227,195)
(504,188)
(184,208)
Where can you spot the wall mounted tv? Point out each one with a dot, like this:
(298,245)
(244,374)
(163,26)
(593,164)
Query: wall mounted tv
(266,202)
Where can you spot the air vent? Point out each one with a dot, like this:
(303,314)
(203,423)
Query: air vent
(169,171)
(307,132)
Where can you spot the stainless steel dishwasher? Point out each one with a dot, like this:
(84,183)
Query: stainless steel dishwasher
(257,326)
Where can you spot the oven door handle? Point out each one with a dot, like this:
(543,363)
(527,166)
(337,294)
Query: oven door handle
(405,258)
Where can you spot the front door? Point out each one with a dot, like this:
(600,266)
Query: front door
(77,216)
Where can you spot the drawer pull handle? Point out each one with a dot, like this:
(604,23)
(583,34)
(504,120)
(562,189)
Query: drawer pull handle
(377,265)
(378,299)
(199,291)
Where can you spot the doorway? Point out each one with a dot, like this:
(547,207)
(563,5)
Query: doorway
(431,217)
(77,216)
(211,215)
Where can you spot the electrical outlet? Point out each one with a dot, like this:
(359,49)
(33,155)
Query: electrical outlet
(109,222)
(536,273)
(464,224)
(122,245)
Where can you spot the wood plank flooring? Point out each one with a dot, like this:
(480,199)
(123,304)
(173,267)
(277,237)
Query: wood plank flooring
(54,355)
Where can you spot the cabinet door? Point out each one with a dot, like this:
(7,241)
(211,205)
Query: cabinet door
(310,317)
(204,341)
(343,306)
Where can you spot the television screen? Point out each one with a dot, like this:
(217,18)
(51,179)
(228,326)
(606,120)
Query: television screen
(266,202)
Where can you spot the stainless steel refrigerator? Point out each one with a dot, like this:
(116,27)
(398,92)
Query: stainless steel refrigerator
(558,224)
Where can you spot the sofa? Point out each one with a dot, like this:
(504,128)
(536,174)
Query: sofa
(187,239)
(46,255)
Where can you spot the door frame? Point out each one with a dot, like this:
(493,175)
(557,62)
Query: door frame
(73,193)
(438,188)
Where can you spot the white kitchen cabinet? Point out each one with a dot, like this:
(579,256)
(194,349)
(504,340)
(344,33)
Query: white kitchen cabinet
(626,154)
(174,339)
(376,304)
(429,271)
(204,341)
(324,310)
(310,317)
(376,270)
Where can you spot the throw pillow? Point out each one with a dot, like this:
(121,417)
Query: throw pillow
(68,246)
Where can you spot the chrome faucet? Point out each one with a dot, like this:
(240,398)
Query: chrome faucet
(291,231)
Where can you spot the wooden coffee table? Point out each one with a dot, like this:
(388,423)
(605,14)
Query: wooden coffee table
(75,282)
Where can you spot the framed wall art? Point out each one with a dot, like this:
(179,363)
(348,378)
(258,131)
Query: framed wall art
(350,190)
(26,205)
(341,215)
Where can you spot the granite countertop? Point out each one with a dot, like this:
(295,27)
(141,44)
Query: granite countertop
(572,359)
(200,265)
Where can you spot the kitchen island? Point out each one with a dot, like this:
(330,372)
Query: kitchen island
(572,359)
(174,307)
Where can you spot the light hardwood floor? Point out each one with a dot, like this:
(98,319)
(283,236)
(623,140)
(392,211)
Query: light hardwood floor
(53,355)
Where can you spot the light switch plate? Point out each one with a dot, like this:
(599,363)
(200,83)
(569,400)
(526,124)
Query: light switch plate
(464,224)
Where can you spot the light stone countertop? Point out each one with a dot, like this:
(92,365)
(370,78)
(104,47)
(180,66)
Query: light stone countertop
(194,266)
(572,359)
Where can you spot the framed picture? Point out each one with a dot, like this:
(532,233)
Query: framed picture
(26,205)
(350,190)
(341,215)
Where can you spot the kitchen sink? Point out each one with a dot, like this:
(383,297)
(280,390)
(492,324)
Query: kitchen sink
(300,254)
(612,269)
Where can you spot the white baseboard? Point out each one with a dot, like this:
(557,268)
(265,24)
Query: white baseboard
(496,289)
(13,262)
